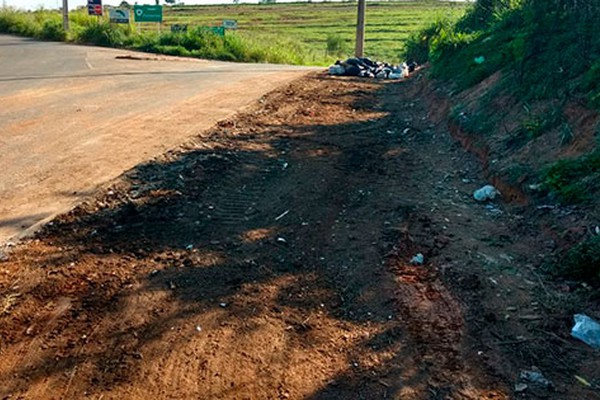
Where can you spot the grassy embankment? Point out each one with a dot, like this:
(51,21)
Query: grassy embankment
(300,33)
(525,79)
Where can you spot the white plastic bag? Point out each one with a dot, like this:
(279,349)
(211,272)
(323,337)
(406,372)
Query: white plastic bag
(587,330)
(488,192)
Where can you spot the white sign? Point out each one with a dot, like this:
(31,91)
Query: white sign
(230,24)
(118,16)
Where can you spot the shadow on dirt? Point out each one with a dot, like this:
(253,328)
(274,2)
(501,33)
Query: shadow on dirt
(271,218)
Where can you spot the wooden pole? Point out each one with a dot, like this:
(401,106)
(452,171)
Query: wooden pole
(65,11)
(360,29)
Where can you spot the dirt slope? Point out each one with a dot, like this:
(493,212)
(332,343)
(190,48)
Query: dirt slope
(270,258)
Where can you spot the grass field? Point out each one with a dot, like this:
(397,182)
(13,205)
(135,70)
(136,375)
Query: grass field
(308,25)
(290,33)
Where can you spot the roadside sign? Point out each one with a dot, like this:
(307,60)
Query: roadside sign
(147,13)
(118,16)
(217,30)
(94,7)
(230,24)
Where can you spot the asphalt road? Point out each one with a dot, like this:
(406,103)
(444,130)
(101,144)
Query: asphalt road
(74,117)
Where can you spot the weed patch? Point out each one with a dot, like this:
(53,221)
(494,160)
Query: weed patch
(573,180)
(581,262)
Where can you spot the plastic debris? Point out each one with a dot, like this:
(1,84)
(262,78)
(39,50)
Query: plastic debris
(198,328)
(535,376)
(283,214)
(281,240)
(336,70)
(367,68)
(587,330)
(418,259)
(488,192)
(521,387)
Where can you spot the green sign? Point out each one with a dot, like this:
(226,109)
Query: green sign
(216,30)
(147,13)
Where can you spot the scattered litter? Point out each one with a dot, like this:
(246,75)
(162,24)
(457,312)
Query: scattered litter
(479,60)
(172,285)
(488,192)
(587,330)
(336,70)
(154,272)
(367,68)
(283,214)
(198,328)
(281,240)
(189,247)
(546,207)
(583,381)
(535,376)
(417,259)
(597,230)
(493,209)
(222,305)
(520,387)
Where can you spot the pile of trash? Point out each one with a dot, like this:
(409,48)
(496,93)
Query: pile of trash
(367,68)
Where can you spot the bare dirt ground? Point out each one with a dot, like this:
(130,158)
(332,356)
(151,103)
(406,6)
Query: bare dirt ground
(269,258)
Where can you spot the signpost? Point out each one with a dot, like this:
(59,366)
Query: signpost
(118,16)
(230,24)
(360,29)
(147,13)
(94,7)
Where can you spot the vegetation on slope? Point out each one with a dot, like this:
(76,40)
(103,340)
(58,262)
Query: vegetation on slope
(526,76)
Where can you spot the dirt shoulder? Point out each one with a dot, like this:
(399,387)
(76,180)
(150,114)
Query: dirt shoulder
(270,258)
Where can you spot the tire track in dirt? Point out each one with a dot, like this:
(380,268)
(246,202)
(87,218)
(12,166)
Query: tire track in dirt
(196,296)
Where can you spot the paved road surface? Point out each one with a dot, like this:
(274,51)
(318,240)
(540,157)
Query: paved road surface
(74,117)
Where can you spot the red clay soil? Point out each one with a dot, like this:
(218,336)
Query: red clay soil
(270,258)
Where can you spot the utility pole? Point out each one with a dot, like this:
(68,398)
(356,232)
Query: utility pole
(65,15)
(360,29)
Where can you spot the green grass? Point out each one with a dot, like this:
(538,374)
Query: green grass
(574,180)
(309,25)
(293,33)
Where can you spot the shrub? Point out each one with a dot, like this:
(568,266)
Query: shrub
(573,179)
(52,29)
(102,34)
(336,45)
(581,262)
